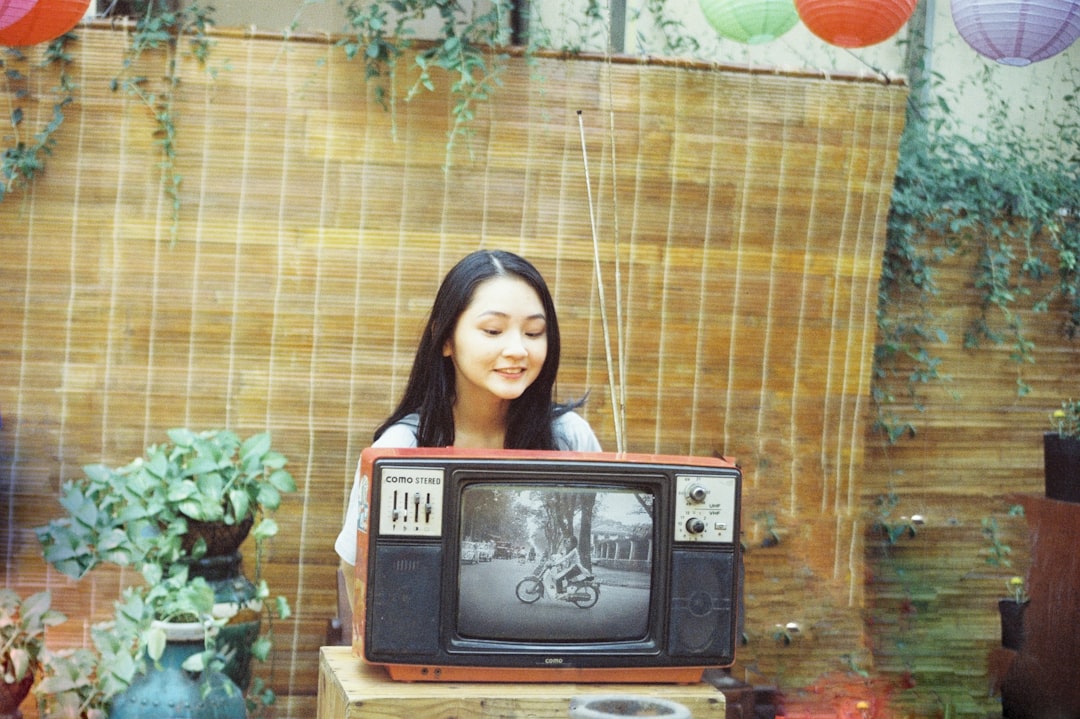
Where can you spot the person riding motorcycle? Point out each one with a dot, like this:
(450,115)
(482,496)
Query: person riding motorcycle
(566,566)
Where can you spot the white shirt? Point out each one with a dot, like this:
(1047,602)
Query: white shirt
(572,433)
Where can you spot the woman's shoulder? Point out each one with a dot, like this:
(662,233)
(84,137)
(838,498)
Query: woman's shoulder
(573,433)
(401,434)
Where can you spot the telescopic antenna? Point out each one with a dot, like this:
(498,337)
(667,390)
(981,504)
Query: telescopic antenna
(616,408)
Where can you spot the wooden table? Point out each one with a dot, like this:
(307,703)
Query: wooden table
(350,689)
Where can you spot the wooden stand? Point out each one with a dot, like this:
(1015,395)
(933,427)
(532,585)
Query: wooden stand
(350,689)
(1042,679)
(997,666)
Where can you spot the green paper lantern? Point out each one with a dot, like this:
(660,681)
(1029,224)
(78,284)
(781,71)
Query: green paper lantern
(750,21)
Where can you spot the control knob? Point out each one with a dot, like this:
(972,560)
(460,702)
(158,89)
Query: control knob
(695,525)
(696,493)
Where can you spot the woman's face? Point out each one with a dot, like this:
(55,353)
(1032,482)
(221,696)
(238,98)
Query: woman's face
(499,343)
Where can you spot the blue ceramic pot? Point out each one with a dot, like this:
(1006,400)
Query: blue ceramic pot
(174,692)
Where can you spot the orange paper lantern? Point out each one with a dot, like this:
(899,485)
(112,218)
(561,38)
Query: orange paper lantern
(854,23)
(47,20)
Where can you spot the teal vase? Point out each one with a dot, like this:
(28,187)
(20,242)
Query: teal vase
(234,600)
(171,691)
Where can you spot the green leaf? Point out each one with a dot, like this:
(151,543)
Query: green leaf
(240,502)
(158,465)
(254,447)
(179,491)
(204,465)
(260,648)
(211,485)
(20,661)
(266,528)
(155,639)
(182,437)
(195,663)
(284,611)
(268,497)
(282,480)
(273,460)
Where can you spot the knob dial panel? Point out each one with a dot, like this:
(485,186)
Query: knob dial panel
(705,508)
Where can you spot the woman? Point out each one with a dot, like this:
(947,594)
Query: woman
(566,565)
(483,374)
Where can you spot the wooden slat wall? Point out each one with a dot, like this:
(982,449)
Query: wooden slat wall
(932,599)
(746,209)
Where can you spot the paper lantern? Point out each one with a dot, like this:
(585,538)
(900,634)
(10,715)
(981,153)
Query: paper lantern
(47,20)
(1017,32)
(14,10)
(750,21)
(854,23)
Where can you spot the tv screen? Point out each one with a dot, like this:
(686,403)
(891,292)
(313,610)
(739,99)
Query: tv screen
(544,562)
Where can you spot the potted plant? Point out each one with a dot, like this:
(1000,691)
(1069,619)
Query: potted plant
(1061,453)
(80,683)
(22,643)
(157,656)
(178,515)
(198,494)
(1012,607)
(1012,614)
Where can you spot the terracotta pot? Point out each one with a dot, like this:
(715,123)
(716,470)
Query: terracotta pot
(12,695)
(221,538)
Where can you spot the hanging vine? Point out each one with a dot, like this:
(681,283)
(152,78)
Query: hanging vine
(159,26)
(465,49)
(25,151)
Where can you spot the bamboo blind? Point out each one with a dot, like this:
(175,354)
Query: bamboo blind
(739,225)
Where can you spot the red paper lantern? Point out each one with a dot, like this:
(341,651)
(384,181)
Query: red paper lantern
(14,10)
(854,23)
(47,20)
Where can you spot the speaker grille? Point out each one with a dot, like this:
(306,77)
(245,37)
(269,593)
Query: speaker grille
(404,619)
(703,591)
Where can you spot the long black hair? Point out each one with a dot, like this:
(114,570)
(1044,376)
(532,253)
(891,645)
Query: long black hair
(431,391)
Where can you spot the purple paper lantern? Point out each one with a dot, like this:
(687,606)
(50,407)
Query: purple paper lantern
(11,11)
(47,20)
(1017,32)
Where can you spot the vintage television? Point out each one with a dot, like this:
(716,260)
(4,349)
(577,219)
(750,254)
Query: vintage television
(453,582)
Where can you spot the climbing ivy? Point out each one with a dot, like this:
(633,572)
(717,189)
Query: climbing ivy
(1009,202)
